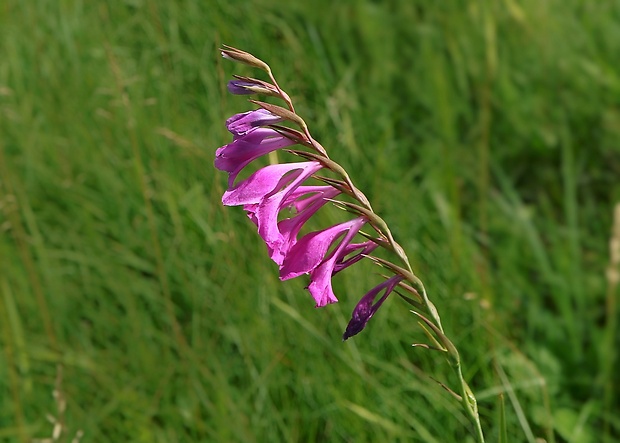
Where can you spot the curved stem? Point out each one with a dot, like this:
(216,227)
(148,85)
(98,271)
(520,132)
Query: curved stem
(467,398)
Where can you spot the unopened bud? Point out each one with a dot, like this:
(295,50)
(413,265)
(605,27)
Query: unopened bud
(244,57)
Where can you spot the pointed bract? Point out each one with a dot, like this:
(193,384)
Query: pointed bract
(244,57)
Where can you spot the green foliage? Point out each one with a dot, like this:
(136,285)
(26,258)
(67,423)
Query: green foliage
(485,133)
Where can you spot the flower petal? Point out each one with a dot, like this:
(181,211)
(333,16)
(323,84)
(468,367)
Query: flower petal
(281,236)
(267,181)
(320,286)
(308,256)
(310,250)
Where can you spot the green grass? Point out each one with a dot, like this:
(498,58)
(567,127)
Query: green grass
(487,134)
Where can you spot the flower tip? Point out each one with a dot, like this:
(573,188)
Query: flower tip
(361,315)
(353,328)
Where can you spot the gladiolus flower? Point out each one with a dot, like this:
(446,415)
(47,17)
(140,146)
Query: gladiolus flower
(307,256)
(235,156)
(280,236)
(365,309)
(268,181)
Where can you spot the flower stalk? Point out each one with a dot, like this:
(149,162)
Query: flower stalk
(273,191)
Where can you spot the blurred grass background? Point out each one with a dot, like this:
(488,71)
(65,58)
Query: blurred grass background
(487,133)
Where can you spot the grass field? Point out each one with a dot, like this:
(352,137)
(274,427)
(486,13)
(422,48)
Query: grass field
(486,133)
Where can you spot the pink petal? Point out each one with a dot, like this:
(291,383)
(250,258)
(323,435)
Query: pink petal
(310,250)
(308,256)
(320,286)
(281,236)
(267,181)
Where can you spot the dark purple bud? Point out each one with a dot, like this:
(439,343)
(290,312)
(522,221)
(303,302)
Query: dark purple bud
(364,310)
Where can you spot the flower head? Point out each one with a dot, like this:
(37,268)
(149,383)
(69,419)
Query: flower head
(280,236)
(365,309)
(269,180)
(307,256)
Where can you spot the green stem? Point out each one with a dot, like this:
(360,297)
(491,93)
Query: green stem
(468,400)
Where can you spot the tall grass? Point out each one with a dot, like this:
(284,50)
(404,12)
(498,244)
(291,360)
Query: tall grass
(486,133)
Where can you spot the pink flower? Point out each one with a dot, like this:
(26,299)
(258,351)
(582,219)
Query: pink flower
(235,156)
(240,124)
(307,256)
(269,180)
(364,310)
(280,236)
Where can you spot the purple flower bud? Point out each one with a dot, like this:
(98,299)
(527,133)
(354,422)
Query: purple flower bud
(240,87)
(235,156)
(364,310)
(253,86)
(240,124)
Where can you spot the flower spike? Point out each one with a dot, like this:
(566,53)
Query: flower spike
(282,198)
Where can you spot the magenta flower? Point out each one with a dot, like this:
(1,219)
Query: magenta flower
(235,156)
(268,181)
(280,236)
(365,309)
(307,256)
(240,124)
